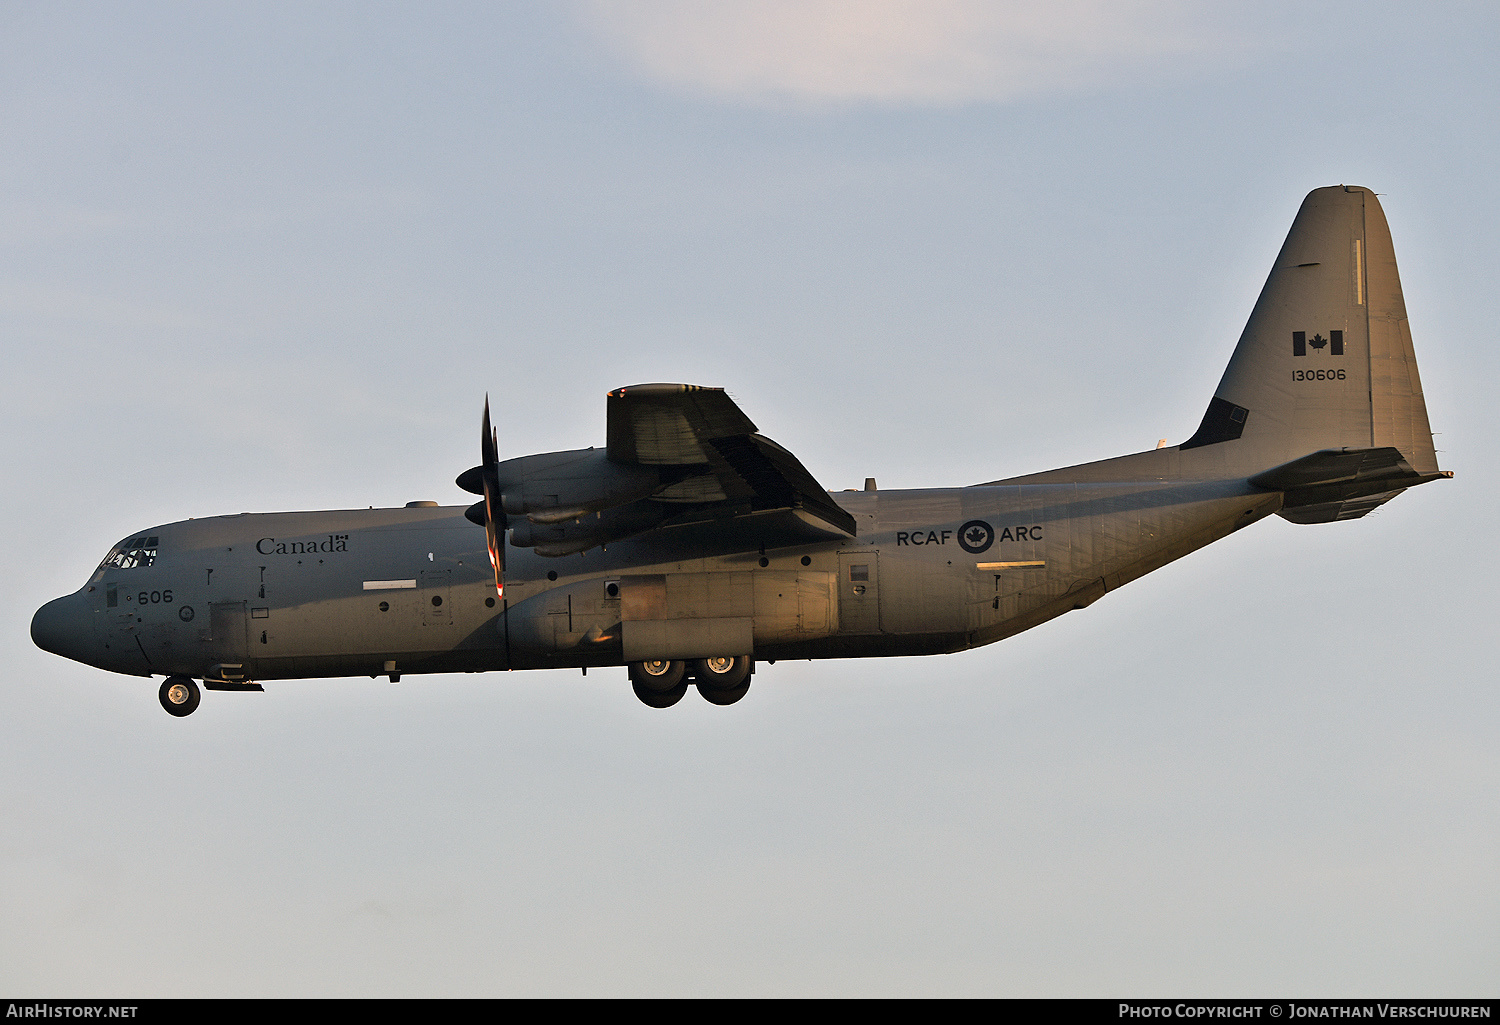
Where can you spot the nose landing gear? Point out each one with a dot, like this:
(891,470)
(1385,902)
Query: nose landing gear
(179,695)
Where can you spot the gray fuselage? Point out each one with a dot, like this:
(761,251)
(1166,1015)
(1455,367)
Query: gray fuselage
(365,592)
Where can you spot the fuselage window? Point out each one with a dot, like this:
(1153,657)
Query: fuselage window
(132,554)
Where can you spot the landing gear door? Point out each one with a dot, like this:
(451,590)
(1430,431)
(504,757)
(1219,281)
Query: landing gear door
(859,592)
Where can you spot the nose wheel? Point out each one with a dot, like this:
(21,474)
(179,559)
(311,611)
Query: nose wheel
(179,695)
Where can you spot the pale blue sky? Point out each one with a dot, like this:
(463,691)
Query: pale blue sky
(273,256)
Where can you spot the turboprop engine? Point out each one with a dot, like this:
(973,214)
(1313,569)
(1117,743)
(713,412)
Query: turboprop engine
(584,532)
(565,502)
(557,486)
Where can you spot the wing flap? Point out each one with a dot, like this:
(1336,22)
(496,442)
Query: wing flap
(690,426)
(779,480)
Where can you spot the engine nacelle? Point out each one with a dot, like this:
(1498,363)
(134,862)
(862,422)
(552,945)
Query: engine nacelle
(588,530)
(556,486)
(561,482)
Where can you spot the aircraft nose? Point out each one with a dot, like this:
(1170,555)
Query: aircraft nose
(60,626)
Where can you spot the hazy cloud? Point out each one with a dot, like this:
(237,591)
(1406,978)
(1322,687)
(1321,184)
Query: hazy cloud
(905,52)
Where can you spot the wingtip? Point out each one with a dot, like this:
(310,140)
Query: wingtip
(659,388)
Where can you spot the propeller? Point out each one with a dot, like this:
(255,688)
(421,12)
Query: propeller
(494,512)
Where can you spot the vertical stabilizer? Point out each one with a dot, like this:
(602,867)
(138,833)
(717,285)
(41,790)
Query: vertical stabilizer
(1321,399)
(1326,360)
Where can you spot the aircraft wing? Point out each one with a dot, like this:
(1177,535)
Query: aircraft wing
(718,457)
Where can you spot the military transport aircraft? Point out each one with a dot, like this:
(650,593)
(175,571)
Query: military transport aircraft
(696,545)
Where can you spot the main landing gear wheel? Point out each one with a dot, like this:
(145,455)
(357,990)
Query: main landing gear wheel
(660,698)
(658,675)
(723,680)
(659,683)
(179,695)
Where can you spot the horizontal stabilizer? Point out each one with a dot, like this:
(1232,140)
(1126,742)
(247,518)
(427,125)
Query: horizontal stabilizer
(1341,484)
(1331,512)
(1338,466)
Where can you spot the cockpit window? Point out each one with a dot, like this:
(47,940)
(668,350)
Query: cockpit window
(138,551)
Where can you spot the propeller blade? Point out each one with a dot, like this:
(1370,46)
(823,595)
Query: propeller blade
(494,512)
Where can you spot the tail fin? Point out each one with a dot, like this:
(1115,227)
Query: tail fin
(1326,360)
(1321,399)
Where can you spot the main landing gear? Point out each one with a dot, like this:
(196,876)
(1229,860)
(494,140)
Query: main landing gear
(179,695)
(659,684)
(722,680)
